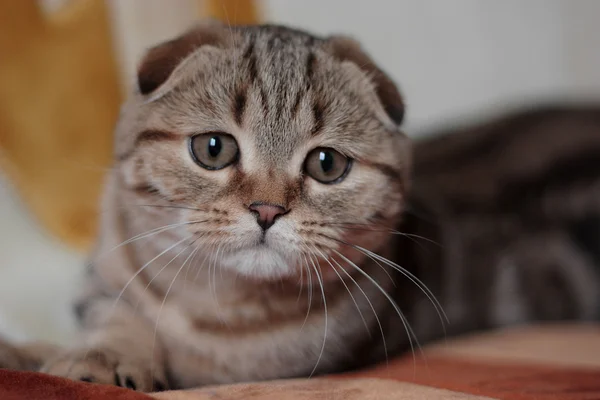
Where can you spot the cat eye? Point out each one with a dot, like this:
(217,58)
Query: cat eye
(326,165)
(214,150)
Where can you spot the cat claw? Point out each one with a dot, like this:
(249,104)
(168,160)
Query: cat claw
(109,368)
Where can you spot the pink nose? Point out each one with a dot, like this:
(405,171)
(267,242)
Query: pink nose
(266,213)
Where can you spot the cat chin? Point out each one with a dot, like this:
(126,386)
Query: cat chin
(260,263)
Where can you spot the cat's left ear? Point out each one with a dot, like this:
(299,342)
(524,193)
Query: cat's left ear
(160,61)
(347,49)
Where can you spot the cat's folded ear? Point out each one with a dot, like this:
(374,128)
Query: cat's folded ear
(347,49)
(160,61)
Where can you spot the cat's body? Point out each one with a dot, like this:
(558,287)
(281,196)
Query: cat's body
(228,138)
(514,204)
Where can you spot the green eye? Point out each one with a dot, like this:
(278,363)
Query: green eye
(214,150)
(326,165)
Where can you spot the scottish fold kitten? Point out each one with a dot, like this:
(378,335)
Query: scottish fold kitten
(259,221)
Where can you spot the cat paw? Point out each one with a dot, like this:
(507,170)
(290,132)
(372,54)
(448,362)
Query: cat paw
(107,367)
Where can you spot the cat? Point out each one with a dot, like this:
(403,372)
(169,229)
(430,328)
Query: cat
(267,217)
(514,203)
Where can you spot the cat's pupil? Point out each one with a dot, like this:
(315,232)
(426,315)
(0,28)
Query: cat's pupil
(326,159)
(214,146)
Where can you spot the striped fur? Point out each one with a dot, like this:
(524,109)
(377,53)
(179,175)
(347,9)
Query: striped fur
(515,206)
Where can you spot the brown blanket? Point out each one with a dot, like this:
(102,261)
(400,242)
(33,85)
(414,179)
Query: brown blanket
(542,363)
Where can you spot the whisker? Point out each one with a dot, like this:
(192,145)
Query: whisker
(160,229)
(385,349)
(210,289)
(431,297)
(369,227)
(209,246)
(160,272)
(212,266)
(386,272)
(347,289)
(167,206)
(140,270)
(137,273)
(301,281)
(201,267)
(161,308)
(407,327)
(218,264)
(310,292)
(151,232)
(319,278)
(185,278)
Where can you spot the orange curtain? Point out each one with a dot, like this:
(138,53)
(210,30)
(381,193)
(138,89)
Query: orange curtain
(235,12)
(59,98)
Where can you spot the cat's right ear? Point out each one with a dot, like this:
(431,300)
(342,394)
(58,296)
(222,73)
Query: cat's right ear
(160,61)
(346,49)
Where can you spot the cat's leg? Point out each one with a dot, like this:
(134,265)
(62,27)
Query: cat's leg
(26,357)
(558,278)
(118,348)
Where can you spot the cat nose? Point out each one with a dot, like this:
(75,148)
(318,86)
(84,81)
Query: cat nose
(266,214)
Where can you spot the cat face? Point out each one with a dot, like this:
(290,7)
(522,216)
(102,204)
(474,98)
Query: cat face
(278,150)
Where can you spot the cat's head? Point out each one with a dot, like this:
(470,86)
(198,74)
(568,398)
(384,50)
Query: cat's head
(278,149)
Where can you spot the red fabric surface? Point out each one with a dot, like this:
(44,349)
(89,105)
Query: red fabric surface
(15,385)
(509,381)
(506,380)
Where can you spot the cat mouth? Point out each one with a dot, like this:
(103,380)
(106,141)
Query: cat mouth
(260,260)
(262,241)
(263,245)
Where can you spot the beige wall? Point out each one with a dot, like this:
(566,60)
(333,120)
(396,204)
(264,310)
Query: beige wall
(455,58)
(138,24)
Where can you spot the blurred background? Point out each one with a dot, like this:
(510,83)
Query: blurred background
(65,66)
